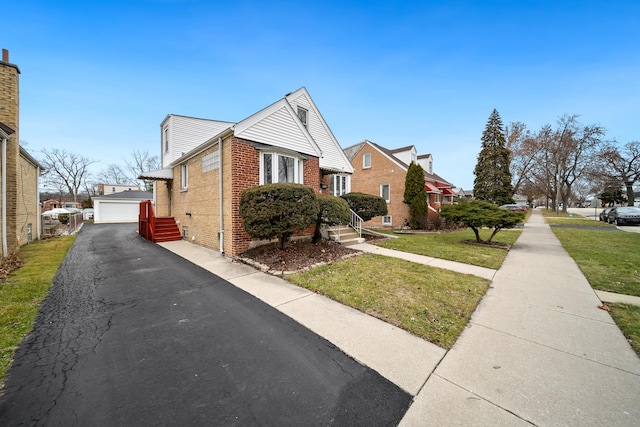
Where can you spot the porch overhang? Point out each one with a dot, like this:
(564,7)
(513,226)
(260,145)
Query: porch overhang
(431,188)
(159,175)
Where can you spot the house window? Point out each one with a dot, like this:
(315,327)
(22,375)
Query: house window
(339,185)
(113,189)
(166,139)
(280,168)
(303,115)
(366,160)
(386,220)
(385,192)
(184,176)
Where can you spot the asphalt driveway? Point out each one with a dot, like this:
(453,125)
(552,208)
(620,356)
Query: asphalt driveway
(132,334)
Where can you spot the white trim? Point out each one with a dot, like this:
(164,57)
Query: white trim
(364,162)
(184,176)
(298,167)
(382,195)
(390,222)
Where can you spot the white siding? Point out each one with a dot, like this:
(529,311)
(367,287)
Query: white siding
(332,155)
(406,156)
(278,128)
(186,133)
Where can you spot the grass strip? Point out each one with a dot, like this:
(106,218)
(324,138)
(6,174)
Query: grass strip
(428,302)
(23,291)
(627,317)
(609,261)
(451,246)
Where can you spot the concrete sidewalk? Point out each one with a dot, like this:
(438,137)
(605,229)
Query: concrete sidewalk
(538,350)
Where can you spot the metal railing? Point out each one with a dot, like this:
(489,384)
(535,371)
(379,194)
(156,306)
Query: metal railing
(356,223)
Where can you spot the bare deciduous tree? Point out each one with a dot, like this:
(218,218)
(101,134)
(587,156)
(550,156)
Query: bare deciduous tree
(142,161)
(624,165)
(65,170)
(554,160)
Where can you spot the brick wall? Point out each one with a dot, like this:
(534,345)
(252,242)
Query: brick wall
(245,173)
(368,181)
(240,170)
(9,115)
(197,207)
(27,212)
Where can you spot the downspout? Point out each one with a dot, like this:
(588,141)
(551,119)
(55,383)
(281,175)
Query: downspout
(38,215)
(4,198)
(221,198)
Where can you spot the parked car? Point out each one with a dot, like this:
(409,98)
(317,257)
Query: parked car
(624,215)
(518,208)
(604,215)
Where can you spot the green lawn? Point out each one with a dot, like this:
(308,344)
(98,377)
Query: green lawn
(431,303)
(627,317)
(451,246)
(23,291)
(610,260)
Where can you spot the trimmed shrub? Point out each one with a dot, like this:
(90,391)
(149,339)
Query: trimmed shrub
(366,205)
(277,210)
(332,210)
(477,214)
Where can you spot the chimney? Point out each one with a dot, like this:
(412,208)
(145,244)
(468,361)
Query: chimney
(5,55)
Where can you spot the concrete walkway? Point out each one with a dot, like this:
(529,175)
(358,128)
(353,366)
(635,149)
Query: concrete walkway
(485,273)
(538,351)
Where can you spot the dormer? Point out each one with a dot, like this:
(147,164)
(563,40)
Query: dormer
(406,154)
(426,161)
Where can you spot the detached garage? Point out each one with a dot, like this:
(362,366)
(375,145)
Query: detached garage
(119,207)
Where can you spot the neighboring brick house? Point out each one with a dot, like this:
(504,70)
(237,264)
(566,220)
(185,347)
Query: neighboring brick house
(208,163)
(20,172)
(382,172)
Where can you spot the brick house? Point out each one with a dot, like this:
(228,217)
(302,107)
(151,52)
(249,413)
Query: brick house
(382,172)
(20,172)
(208,163)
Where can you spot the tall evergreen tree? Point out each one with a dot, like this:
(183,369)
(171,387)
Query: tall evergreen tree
(415,195)
(493,178)
(414,183)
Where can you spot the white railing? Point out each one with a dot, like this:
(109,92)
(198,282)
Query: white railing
(356,223)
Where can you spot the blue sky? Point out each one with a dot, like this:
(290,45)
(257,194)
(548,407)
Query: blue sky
(97,78)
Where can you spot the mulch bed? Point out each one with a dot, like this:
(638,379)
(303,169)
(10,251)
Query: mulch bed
(297,255)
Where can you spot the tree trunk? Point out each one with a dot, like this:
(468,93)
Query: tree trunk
(477,233)
(630,198)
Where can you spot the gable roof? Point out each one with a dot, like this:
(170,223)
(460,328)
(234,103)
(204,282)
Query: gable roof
(291,133)
(389,154)
(279,126)
(333,158)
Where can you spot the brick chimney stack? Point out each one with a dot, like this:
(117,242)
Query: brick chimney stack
(5,55)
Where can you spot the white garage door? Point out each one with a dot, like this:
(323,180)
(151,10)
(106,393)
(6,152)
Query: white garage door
(117,211)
